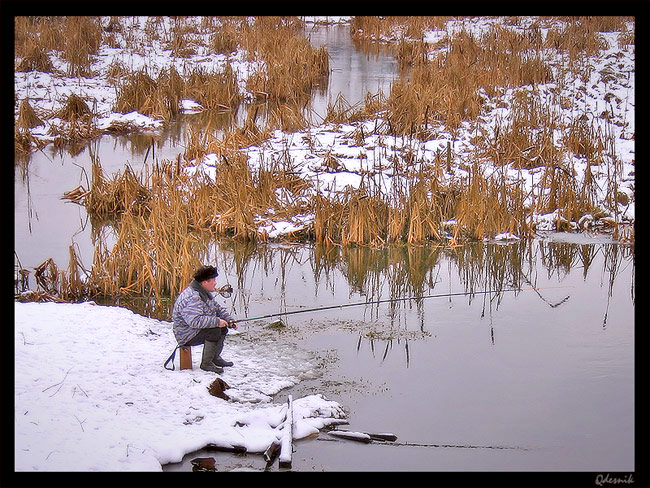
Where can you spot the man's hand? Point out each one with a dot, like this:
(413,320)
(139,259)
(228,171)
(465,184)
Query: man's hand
(222,323)
(232,325)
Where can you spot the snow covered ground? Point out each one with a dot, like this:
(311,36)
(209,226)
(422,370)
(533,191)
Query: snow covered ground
(91,393)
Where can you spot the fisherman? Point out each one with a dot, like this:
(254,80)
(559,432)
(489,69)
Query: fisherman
(199,319)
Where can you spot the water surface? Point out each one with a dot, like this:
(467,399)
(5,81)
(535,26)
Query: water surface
(541,379)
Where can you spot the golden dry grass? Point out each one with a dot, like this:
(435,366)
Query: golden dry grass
(27,117)
(164,220)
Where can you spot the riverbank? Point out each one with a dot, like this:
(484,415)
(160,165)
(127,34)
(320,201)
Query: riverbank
(103,401)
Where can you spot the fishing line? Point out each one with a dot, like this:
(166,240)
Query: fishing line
(446,446)
(390,300)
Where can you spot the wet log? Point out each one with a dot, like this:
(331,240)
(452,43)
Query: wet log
(286,447)
(383,437)
(226,448)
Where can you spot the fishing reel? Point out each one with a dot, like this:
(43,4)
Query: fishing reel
(225,291)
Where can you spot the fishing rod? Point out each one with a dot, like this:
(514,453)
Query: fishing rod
(389,300)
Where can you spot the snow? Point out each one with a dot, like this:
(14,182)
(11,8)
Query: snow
(91,393)
(48,92)
(133,119)
(506,236)
(279,228)
(190,106)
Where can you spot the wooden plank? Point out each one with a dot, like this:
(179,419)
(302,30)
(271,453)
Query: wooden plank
(286,447)
(186,357)
(363,436)
(271,452)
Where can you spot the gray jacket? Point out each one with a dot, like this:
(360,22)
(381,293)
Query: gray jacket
(191,313)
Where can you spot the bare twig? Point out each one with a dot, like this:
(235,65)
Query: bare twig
(57,384)
(81,423)
(25,340)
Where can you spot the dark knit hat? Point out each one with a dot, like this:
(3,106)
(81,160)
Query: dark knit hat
(205,273)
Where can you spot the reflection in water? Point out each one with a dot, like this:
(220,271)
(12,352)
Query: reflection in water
(485,272)
(289,277)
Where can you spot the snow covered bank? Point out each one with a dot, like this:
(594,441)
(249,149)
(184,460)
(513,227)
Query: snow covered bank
(599,99)
(132,51)
(91,393)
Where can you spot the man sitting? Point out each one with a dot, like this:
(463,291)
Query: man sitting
(199,319)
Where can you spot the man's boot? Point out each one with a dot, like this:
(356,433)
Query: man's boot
(218,360)
(209,350)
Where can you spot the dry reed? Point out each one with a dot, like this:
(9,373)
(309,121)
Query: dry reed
(292,66)
(83,36)
(74,108)
(27,117)
(214,90)
(157,98)
(36,59)
(446,88)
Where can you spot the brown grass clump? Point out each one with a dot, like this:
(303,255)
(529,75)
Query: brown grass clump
(412,214)
(107,197)
(77,38)
(341,112)
(54,284)
(288,116)
(78,125)
(135,92)
(526,138)
(74,108)
(36,59)
(583,139)
(293,66)
(23,143)
(489,206)
(159,247)
(156,98)
(214,90)
(225,38)
(83,36)
(180,41)
(445,86)
(153,255)
(27,117)
(579,35)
